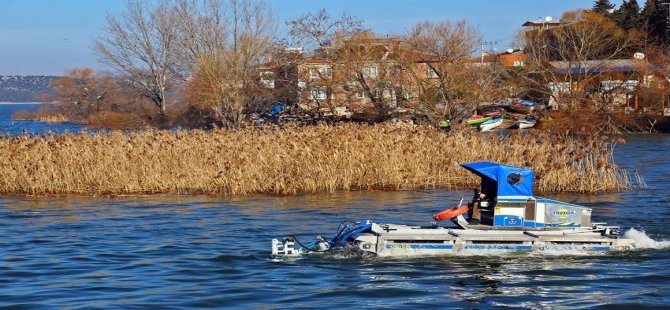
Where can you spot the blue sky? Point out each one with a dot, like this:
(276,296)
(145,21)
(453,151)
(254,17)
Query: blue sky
(47,37)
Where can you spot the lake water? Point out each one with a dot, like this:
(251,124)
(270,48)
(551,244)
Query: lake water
(16,127)
(200,251)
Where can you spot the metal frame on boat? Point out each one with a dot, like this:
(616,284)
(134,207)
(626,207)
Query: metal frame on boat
(503,216)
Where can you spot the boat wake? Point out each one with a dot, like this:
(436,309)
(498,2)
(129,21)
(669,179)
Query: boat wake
(642,241)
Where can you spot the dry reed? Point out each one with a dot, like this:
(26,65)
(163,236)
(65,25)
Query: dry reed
(293,160)
(41,116)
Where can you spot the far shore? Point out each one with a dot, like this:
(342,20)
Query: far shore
(2,102)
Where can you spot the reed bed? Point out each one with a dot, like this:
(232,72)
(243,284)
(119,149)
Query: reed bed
(293,160)
(41,116)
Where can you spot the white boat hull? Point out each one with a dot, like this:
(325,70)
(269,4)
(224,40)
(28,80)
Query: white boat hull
(402,240)
(525,125)
(490,126)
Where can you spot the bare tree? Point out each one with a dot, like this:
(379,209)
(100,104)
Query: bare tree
(318,32)
(368,65)
(140,46)
(83,87)
(226,79)
(436,59)
(201,29)
(359,72)
(317,29)
(570,57)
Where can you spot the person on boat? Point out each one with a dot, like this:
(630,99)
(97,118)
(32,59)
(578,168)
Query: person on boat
(473,206)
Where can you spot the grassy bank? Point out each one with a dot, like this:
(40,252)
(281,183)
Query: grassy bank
(292,160)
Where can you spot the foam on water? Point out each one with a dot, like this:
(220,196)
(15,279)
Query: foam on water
(642,241)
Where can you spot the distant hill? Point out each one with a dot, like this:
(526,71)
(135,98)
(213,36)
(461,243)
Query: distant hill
(14,88)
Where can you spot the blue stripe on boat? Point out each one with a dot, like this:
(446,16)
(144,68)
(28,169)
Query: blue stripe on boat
(422,246)
(498,247)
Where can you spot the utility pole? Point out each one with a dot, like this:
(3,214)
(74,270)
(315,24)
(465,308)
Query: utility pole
(490,44)
(483,52)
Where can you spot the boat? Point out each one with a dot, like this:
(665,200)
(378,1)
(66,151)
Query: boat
(516,107)
(504,216)
(478,119)
(522,106)
(491,123)
(445,125)
(527,103)
(527,122)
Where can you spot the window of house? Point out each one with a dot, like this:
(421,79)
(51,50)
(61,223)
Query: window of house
(519,63)
(313,73)
(319,94)
(370,71)
(267,79)
(647,80)
(320,72)
(630,85)
(561,87)
(390,94)
(361,94)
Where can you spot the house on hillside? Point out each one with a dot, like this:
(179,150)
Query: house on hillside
(356,73)
(509,59)
(614,81)
(512,59)
(279,76)
(367,72)
(540,25)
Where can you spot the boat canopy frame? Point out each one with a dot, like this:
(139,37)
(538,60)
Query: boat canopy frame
(503,180)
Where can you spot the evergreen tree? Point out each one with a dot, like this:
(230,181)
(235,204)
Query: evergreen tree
(628,15)
(603,7)
(655,22)
(649,8)
(646,15)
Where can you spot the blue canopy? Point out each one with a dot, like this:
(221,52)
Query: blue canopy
(503,180)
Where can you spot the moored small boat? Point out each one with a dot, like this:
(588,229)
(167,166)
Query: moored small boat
(516,107)
(527,103)
(492,123)
(445,125)
(495,113)
(478,119)
(527,122)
